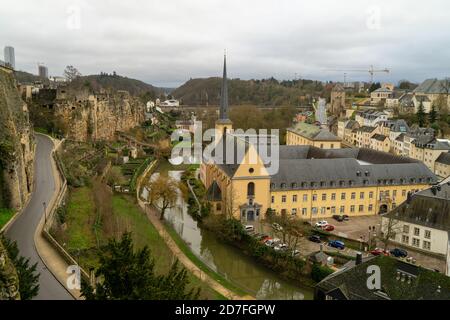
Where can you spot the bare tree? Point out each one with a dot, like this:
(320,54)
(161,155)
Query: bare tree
(230,203)
(389,229)
(71,73)
(163,193)
(287,228)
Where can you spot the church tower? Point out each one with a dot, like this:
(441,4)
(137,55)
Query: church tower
(223,124)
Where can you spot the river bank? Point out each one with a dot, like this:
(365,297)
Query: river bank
(229,262)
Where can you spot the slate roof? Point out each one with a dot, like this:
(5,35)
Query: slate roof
(306,167)
(366,129)
(431,86)
(401,137)
(444,158)
(429,208)
(313,132)
(430,142)
(399,125)
(300,174)
(379,137)
(350,124)
(350,283)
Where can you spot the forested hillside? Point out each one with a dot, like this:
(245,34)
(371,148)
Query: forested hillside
(266,92)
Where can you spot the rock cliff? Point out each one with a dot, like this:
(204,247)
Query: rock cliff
(84,115)
(17,145)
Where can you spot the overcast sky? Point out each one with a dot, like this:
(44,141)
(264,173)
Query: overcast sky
(167,42)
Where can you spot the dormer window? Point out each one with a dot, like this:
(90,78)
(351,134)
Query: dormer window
(283,186)
(294,186)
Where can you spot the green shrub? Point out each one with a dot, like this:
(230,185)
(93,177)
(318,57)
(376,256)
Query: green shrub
(319,272)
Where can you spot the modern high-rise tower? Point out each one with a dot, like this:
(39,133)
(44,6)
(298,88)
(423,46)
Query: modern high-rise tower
(10,58)
(43,71)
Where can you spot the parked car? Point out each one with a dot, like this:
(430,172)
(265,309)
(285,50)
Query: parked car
(328,228)
(295,253)
(272,242)
(399,253)
(379,252)
(277,227)
(338,218)
(249,228)
(315,239)
(337,244)
(265,239)
(281,247)
(321,224)
(346,217)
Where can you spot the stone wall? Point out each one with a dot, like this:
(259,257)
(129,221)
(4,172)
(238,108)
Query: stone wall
(98,117)
(17,146)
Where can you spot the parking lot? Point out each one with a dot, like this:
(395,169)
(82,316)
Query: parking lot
(305,246)
(356,228)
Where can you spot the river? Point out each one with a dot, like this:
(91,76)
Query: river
(231,263)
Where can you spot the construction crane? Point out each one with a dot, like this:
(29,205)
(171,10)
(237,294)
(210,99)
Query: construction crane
(371,71)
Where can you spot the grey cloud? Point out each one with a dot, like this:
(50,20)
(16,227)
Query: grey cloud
(168,42)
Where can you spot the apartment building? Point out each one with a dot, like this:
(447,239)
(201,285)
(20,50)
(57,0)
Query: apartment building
(422,223)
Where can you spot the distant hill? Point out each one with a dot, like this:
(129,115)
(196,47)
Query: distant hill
(266,92)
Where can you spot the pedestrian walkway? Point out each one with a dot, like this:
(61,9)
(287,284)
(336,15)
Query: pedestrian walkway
(153,216)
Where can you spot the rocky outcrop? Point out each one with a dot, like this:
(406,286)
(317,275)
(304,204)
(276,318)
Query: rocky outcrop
(84,117)
(17,145)
(100,116)
(9,281)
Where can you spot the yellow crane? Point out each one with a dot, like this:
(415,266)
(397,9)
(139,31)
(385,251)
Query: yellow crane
(371,71)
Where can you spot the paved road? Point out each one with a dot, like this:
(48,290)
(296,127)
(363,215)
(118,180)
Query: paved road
(24,227)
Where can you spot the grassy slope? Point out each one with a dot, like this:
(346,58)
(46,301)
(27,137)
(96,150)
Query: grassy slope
(80,218)
(144,233)
(80,233)
(5,216)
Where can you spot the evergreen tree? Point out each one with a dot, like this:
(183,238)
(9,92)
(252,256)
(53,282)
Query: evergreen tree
(129,275)
(433,115)
(421,115)
(28,277)
(374,86)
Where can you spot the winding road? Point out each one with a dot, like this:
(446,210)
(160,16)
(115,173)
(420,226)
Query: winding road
(24,228)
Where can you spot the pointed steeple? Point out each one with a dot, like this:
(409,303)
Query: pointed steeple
(224,92)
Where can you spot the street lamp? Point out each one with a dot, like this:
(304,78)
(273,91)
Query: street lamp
(45,211)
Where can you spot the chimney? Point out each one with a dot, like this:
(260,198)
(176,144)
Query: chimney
(358,258)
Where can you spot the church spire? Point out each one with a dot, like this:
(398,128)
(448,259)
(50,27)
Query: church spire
(224,92)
